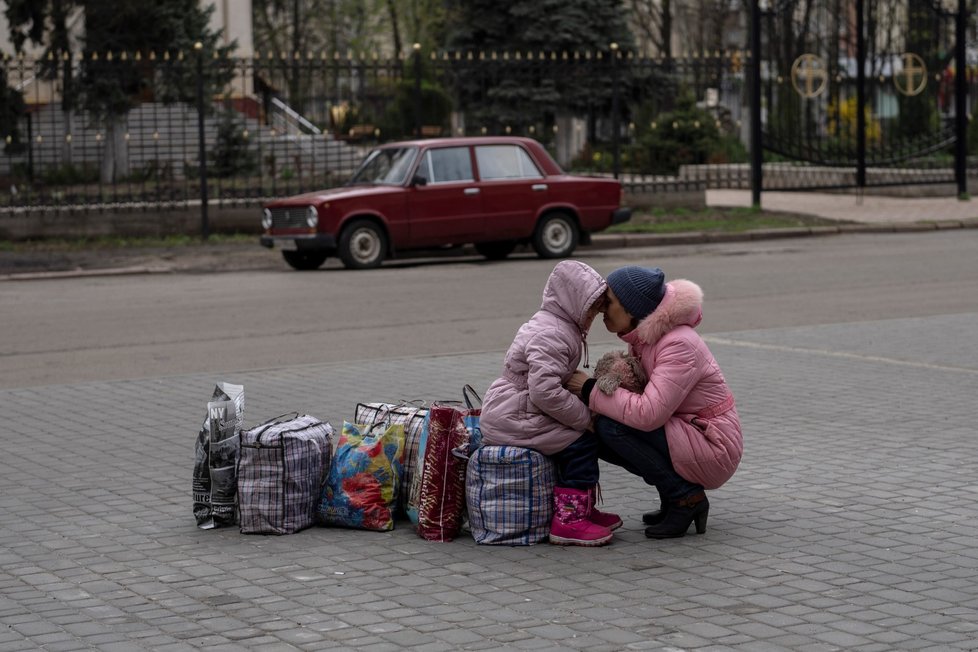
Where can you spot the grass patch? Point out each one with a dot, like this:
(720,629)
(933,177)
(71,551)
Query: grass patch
(117,242)
(731,220)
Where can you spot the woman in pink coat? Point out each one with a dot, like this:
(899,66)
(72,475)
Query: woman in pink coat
(682,433)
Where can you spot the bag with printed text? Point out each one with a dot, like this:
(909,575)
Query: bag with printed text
(215,482)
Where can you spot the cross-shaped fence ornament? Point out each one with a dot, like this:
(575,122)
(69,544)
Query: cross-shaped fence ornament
(809,75)
(913,78)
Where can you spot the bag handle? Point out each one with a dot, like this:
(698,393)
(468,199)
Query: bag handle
(466,390)
(274,421)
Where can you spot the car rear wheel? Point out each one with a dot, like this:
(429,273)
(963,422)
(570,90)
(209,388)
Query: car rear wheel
(304,260)
(495,250)
(362,245)
(556,236)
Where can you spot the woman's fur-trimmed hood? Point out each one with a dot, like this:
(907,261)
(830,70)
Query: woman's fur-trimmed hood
(682,305)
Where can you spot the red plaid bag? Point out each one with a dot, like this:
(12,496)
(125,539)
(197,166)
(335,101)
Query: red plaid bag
(452,433)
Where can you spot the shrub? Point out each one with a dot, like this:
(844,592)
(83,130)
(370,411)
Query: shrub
(684,136)
(231,154)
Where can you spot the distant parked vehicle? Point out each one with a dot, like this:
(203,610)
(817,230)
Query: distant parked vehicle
(493,192)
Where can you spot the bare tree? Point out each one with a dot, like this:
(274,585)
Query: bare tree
(653,22)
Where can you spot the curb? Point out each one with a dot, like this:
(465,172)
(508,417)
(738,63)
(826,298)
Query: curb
(79,273)
(622,240)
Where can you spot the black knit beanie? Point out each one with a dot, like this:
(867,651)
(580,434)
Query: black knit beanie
(639,289)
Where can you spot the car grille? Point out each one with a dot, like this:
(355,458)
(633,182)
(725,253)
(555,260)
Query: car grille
(293,217)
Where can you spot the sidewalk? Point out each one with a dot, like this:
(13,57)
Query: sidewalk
(865,209)
(850,525)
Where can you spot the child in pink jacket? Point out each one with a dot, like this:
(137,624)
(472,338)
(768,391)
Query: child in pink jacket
(529,405)
(682,433)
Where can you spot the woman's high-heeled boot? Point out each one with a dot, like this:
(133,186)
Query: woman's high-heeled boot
(679,515)
(657,516)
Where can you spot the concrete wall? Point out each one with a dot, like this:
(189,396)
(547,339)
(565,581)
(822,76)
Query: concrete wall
(90,224)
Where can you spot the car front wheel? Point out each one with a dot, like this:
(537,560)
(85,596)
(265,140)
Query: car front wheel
(362,245)
(556,236)
(304,260)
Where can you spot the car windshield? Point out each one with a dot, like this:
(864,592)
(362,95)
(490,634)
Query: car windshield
(388,165)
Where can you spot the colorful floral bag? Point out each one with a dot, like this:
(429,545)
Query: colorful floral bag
(361,491)
(412,416)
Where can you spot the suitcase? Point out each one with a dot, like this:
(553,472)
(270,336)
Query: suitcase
(281,469)
(509,495)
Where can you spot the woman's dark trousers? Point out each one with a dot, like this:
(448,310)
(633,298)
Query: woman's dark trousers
(645,454)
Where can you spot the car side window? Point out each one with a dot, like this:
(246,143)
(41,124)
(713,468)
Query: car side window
(505,162)
(447,164)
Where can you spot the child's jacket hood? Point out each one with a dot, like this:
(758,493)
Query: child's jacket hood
(571,290)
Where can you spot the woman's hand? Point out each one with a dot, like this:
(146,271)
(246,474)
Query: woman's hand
(576,382)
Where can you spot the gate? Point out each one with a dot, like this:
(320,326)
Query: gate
(858,93)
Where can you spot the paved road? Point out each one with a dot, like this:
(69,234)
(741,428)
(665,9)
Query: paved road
(850,524)
(59,331)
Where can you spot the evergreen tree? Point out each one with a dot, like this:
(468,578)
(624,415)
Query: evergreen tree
(136,50)
(539,25)
(518,92)
(11,111)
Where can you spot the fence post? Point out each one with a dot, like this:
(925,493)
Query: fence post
(417,90)
(615,118)
(201,147)
(860,96)
(961,100)
(756,156)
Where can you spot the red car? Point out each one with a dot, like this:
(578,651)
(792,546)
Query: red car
(493,192)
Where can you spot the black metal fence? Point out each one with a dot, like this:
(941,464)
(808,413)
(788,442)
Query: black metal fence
(237,131)
(285,124)
(870,95)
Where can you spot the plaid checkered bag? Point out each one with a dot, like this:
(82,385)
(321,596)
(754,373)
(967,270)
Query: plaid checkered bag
(508,491)
(281,470)
(409,415)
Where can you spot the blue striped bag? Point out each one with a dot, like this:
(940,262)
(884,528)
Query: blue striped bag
(509,495)
(281,470)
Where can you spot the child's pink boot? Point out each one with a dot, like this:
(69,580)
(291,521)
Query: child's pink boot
(570,525)
(596,516)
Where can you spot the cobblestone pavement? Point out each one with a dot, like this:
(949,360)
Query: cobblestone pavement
(851,524)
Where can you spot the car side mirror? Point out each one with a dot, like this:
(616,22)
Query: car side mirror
(418,180)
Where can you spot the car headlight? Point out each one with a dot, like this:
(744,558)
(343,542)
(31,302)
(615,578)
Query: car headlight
(312,216)
(266,219)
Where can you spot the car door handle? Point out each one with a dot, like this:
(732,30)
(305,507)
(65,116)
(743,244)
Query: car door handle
(539,187)
(471,191)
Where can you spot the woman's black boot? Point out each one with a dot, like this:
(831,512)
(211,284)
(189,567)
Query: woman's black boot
(678,516)
(656,517)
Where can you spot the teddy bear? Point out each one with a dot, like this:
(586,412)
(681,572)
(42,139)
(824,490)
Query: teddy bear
(619,369)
